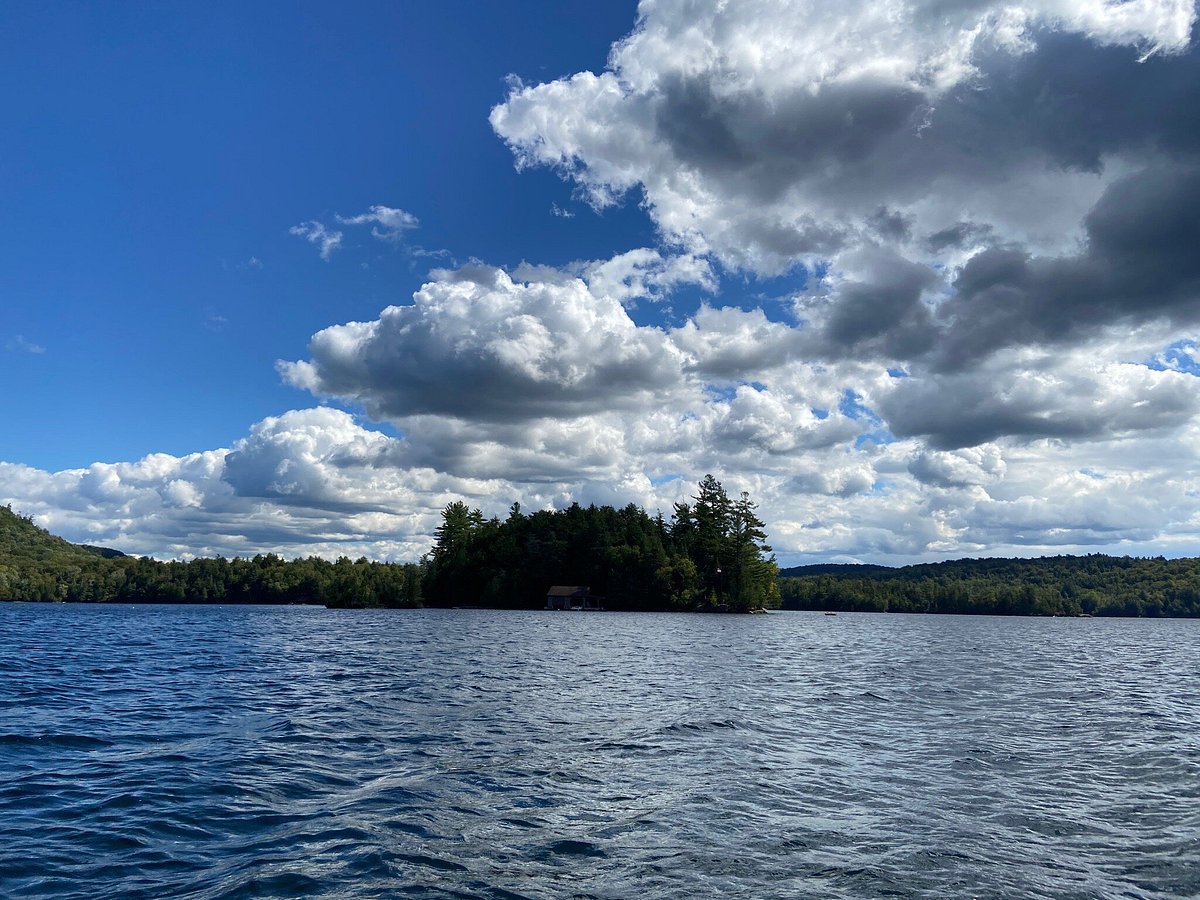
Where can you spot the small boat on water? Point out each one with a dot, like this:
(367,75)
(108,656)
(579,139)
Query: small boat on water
(831,614)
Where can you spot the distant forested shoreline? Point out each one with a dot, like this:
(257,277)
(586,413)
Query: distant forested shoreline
(710,555)
(1093,585)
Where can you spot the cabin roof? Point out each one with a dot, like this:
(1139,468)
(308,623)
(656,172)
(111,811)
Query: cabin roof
(566,590)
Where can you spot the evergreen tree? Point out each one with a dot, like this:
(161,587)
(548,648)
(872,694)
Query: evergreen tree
(450,577)
(710,550)
(754,577)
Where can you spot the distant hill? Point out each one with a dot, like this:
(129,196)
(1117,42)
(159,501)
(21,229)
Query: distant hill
(853,570)
(19,537)
(38,566)
(1048,586)
(22,541)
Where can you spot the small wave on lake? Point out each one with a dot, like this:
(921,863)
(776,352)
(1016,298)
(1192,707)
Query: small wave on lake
(247,752)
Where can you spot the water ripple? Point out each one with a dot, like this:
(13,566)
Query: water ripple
(208,753)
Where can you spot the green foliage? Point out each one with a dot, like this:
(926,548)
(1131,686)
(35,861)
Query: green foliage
(1051,586)
(36,565)
(711,556)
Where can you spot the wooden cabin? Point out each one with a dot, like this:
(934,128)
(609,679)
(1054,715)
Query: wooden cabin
(564,596)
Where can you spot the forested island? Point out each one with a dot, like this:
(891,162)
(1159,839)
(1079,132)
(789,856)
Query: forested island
(711,555)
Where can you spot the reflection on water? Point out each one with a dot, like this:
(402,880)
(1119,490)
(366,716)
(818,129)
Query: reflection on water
(279,752)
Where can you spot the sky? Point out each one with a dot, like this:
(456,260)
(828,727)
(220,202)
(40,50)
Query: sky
(921,277)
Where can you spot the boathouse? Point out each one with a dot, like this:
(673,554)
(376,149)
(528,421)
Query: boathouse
(564,596)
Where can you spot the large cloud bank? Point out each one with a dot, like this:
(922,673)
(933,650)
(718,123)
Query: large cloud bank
(993,209)
(957,178)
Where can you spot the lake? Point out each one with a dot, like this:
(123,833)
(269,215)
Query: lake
(237,752)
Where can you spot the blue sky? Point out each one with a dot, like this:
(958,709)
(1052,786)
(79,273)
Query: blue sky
(919,277)
(152,151)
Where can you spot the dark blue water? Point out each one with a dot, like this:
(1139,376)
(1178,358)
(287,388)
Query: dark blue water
(150,752)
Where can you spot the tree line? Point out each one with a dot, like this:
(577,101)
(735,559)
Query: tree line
(1095,585)
(711,555)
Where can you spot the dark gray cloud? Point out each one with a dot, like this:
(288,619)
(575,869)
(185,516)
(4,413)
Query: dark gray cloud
(883,314)
(541,452)
(958,236)
(961,469)
(965,410)
(1141,262)
(759,146)
(890,225)
(1075,102)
